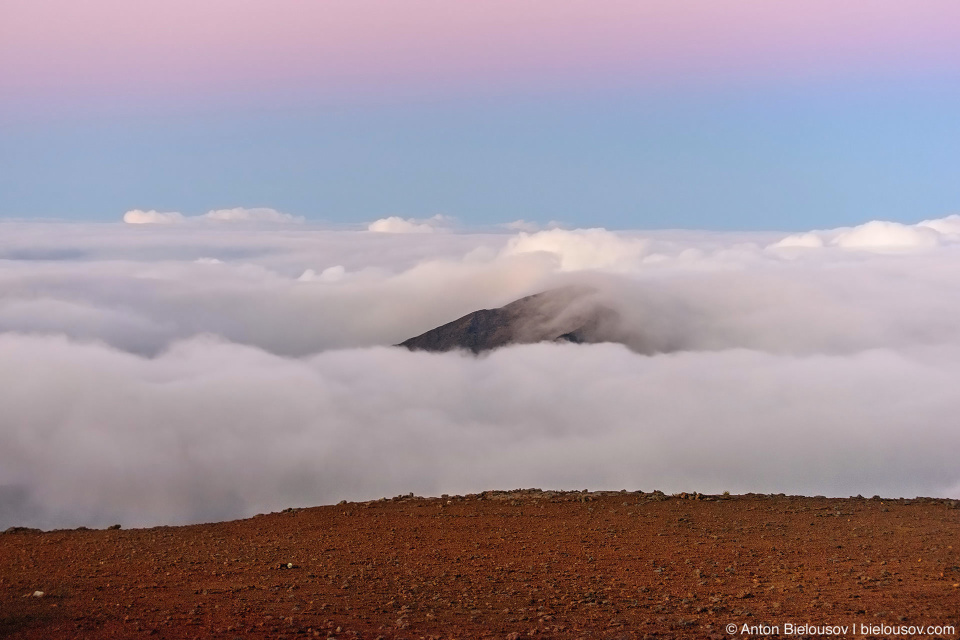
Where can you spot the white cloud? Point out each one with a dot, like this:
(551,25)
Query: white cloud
(581,248)
(136,216)
(879,235)
(257,214)
(396,224)
(203,371)
(212,431)
(948,226)
(330,274)
(521,225)
(237,214)
(809,240)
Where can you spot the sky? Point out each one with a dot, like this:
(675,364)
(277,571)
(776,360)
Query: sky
(180,369)
(217,218)
(727,115)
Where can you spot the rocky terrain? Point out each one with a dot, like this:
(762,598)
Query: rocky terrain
(565,314)
(508,565)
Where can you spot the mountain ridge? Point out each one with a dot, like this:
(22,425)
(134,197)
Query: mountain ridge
(563,314)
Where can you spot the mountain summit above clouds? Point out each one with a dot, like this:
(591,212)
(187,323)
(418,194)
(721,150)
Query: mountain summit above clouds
(565,314)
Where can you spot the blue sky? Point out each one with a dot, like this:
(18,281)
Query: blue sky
(650,114)
(760,160)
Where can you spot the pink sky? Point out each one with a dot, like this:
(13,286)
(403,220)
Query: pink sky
(65,49)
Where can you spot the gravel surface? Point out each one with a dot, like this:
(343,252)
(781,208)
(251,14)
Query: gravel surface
(508,565)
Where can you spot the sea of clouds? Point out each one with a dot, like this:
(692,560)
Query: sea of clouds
(172,369)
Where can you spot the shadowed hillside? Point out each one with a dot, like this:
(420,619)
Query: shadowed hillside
(562,314)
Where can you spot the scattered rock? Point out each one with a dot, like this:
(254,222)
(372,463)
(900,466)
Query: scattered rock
(21,530)
(626,564)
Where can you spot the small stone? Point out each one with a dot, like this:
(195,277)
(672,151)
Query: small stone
(38,594)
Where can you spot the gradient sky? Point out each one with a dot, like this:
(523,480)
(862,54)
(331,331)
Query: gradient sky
(727,114)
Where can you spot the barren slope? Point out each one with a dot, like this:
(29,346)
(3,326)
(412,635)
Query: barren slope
(565,313)
(499,565)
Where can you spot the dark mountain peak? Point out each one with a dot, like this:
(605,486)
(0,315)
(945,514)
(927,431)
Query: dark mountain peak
(568,314)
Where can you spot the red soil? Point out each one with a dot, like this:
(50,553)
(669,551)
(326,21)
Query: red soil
(500,565)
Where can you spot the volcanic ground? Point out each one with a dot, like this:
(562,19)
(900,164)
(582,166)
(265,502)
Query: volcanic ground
(508,565)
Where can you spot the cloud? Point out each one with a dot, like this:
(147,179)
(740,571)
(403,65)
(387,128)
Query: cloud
(809,240)
(521,225)
(211,430)
(237,214)
(330,274)
(136,216)
(886,235)
(260,214)
(581,248)
(531,227)
(948,226)
(396,224)
(879,235)
(203,372)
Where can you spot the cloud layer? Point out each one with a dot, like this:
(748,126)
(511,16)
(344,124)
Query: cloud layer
(237,214)
(879,235)
(185,373)
(138,216)
(396,224)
